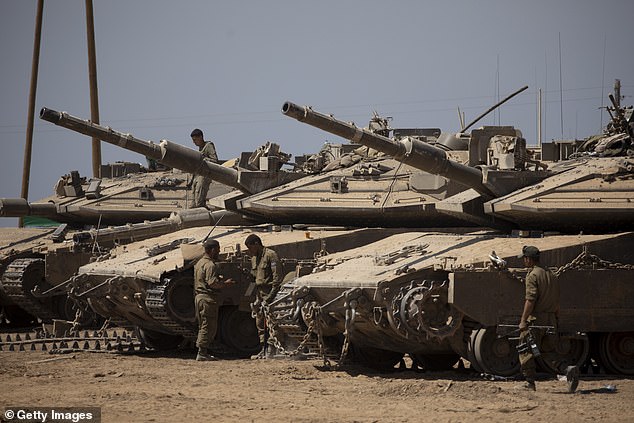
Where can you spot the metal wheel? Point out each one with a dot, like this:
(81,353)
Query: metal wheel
(497,356)
(375,358)
(471,352)
(238,331)
(437,361)
(616,352)
(159,341)
(179,300)
(573,351)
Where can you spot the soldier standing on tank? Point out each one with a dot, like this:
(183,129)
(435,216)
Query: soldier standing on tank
(207,283)
(266,269)
(541,308)
(200,185)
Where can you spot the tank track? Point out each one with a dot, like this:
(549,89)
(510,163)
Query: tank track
(15,285)
(96,341)
(156,303)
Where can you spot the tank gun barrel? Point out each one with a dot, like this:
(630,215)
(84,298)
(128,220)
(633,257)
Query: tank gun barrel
(19,207)
(168,153)
(191,218)
(410,151)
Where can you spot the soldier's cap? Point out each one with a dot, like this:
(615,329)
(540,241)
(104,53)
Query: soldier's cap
(253,239)
(196,133)
(530,252)
(211,243)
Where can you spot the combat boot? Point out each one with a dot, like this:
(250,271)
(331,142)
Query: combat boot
(203,355)
(529,386)
(271,351)
(572,378)
(260,355)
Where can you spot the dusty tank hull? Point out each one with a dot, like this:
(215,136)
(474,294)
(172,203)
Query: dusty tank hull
(154,292)
(437,297)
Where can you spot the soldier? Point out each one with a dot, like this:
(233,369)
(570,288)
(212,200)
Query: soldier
(266,269)
(541,308)
(207,283)
(201,183)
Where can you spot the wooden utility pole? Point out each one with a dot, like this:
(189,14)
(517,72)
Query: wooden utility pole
(94,97)
(28,147)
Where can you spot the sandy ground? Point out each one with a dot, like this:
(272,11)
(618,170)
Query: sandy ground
(170,388)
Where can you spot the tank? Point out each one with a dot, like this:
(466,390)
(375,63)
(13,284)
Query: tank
(149,284)
(36,263)
(440,296)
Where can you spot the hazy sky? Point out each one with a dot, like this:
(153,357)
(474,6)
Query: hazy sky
(165,67)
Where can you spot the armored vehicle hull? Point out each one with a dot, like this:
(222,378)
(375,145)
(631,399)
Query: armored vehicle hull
(150,284)
(438,297)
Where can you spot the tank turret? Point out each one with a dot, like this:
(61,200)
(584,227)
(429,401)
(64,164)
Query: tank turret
(410,151)
(434,160)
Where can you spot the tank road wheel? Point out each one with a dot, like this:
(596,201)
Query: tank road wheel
(237,330)
(159,341)
(179,300)
(616,352)
(572,351)
(436,362)
(471,352)
(375,358)
(496,355)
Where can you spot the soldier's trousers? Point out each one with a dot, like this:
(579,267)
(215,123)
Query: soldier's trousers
(200,188)
(546,343)
(260,320)
(207,316)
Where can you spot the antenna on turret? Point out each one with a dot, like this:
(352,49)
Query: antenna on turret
(498,104)
(461,117)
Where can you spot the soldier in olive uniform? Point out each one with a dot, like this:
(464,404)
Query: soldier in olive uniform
(541,308)
(207,283)
(266,269)
(201,183)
